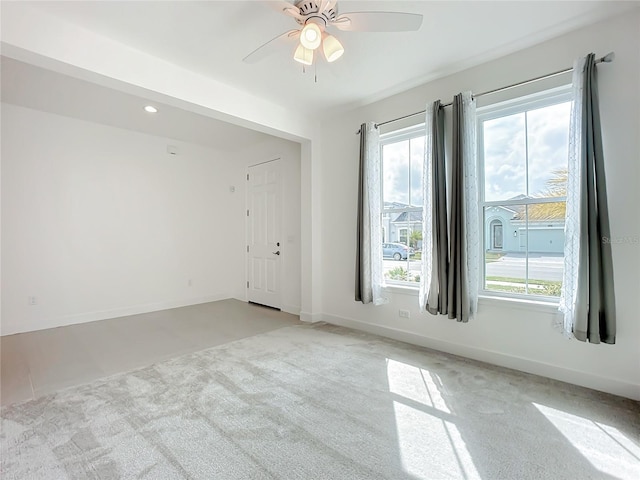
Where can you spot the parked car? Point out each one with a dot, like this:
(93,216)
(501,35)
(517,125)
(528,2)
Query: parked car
(397,251)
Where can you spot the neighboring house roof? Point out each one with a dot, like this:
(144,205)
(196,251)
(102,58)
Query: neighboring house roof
(537,212)
(509,209)
(542,212)
(412,217)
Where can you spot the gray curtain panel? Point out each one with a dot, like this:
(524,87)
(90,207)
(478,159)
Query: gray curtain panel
(360,236)
(364,290)
(436,301)
(595,318)
(458,295)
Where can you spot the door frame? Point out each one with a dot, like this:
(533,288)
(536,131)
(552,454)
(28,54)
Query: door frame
(495,225)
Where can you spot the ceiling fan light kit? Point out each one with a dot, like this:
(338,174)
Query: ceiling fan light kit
(303,55)
(332,48)
(311,36)
(316,16)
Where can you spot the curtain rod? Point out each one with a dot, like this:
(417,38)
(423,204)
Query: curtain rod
(606,59)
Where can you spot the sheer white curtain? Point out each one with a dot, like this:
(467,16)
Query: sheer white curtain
(463,223)
(572,222)
(427,213)
(588,291)
(374,187)
(470,149)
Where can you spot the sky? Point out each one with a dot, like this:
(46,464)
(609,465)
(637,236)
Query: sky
(402,166)
(506,143)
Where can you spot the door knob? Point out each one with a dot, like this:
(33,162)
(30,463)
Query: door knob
(276,253)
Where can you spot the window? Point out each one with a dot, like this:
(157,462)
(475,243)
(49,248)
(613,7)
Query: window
(522,154)
(402,154)
(403,236)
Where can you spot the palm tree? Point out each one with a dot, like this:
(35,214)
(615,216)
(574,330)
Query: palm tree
(414,238)
(556,186)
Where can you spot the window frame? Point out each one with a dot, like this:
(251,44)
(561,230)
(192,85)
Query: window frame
(395,136)
(541,99)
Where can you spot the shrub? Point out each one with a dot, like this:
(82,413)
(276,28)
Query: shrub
(398,273)
(552,289)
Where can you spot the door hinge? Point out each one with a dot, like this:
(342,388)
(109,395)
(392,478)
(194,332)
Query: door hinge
(247,213)
(247,284)
(247,176)
(247,248)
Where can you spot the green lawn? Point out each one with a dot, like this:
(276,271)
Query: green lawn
(547,288)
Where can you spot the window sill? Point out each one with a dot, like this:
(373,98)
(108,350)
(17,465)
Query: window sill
(402,290)
(521,303)
(487,300)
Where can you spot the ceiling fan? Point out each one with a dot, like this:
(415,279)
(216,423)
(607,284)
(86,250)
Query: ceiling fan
(316,17)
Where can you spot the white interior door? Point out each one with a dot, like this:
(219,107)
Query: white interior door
(264,246)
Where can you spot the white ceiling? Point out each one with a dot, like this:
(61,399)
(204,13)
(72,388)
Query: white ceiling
(212,37)
(35,87)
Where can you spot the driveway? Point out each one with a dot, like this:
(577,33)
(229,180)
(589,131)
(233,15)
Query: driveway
(542,266)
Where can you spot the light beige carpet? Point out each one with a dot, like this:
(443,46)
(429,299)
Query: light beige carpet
(322,402)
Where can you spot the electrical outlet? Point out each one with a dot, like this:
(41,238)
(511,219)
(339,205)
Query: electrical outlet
(404,313)
(31,300)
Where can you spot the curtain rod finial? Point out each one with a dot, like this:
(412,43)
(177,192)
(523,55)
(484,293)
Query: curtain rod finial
(608,58)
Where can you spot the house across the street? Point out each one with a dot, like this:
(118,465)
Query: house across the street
(507,228)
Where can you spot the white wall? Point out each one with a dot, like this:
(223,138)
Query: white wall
(100,222)
(290,158)
(41,39)
(503,333)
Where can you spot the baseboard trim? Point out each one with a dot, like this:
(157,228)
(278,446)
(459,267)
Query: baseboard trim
(113,313)
(292,309)
(575,377)
(311,317)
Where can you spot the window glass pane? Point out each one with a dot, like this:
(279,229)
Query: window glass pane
(524,248)
(401,260)
(395,173)
(417,160)
(505,250)
(524,160)
(402,192)
(548,144)
(546,248)
(505,157)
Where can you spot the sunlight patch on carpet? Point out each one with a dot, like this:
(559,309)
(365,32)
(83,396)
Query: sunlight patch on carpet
(430,444)
(605,447)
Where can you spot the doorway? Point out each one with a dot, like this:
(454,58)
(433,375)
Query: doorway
(496,235)
(264,243)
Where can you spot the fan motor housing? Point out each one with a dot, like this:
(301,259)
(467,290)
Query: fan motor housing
(310,8)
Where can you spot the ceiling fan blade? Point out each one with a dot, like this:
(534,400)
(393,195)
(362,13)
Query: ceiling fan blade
(326,5)
(378,22)
(286,7)
(270,47)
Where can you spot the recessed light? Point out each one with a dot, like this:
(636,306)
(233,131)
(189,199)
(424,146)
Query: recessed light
(150,109)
